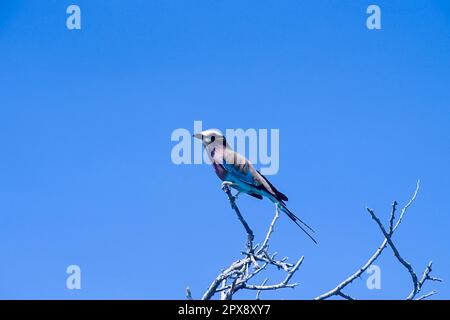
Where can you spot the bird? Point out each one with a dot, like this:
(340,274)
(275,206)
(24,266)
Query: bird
(239,173)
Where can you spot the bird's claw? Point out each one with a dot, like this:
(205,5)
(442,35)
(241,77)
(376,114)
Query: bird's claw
(226,184)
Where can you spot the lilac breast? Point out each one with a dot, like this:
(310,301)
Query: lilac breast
(220,171)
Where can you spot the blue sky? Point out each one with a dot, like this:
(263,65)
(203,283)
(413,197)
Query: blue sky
(86,117)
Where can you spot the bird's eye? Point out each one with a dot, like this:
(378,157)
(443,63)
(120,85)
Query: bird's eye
(213,138)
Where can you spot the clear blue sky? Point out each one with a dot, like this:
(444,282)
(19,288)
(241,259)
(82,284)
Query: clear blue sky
(86,116)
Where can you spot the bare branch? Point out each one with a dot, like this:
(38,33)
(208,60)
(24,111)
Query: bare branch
(344,295)
(417,284)
(265,244)
(429,294)
(233,268)
(392,217)
(232,199)
(406,264)
(259,291)
(237,276)
(425,276)
(406,207)
(188,293)
(271,287)
(283,284)
(256,259)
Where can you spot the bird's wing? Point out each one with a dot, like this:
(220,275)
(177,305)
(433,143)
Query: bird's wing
(278,194)
(238,166)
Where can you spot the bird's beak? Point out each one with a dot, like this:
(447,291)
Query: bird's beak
(198,136)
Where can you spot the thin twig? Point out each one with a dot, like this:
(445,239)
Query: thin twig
(406,264)
(429,294)
(258,293)
(265,244)
(232,199)
(188,294)
(345,296)
(405,208)
(283,284)
(392,217)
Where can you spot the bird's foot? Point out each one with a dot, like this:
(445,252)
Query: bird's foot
(226,187)
(227,184)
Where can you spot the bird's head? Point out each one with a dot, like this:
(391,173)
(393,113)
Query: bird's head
(210,136)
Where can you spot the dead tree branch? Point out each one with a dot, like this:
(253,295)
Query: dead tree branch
(417,284)
(256,259)
(232,199)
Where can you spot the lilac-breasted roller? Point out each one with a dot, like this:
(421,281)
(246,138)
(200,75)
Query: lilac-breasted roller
(237,172)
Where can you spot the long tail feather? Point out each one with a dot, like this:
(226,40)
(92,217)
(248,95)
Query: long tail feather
(297,220)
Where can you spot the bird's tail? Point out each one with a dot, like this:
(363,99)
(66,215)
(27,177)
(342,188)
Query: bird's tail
(282,206)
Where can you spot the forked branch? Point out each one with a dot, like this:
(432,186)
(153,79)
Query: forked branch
(388,233)
(256,259)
